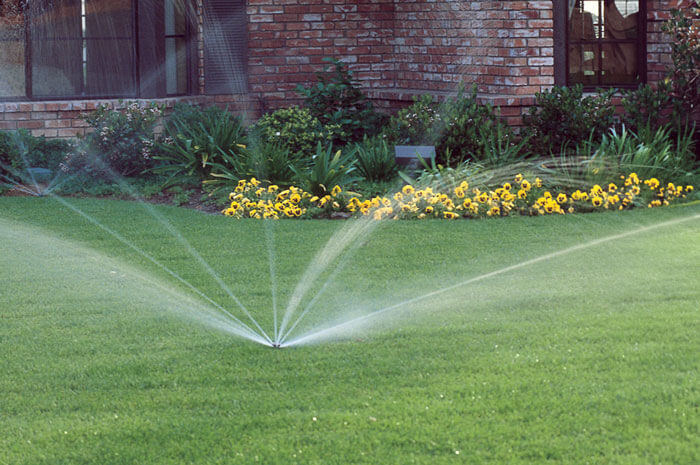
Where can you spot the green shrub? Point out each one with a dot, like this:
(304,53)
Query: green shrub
(337,100)
(196,140)
(266,161)
(122,141)
(376,161)
(684,73)
(326,170)
(647,106)
(465,121)
(416,124)
(20,150)
(460,128)
(563,117)
(294,128)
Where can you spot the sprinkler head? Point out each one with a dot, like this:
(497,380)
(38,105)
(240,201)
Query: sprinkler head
(276,345)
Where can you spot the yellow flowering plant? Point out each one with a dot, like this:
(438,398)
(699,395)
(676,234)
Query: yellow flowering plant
(251,199)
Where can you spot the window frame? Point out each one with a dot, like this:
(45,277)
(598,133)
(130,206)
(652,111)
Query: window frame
(137,68)
(562,44)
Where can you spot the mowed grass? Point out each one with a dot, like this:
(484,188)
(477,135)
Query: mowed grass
(591,356)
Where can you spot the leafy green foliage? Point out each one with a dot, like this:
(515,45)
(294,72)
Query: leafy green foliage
(198,140)
(501,147)
(20,150)
(122,141)
(461,128)
(336,99)
(465,121)
(649,153)
(647,106)
(416,124)
(685,54)
(267,161)
(326,170)
(296,129)
(376,161)
(563,117)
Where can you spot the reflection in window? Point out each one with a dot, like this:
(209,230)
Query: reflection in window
(175,48)
(12,30)
(604,42)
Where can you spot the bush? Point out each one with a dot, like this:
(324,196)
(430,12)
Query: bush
(270,162)
(196,140)
(460,128)
(296,129)
(337,100)
(20,150)
(376,161)
(649,153)
(414,125)
(684,74)
(326,170)
(563,118)
(647,106)
(122,142)
(465,122)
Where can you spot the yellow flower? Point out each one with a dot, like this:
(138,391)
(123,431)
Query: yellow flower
(295,198)
(507,186)
(408,189)
(483,197)
(467,203)
(522,194)
(336,190)
(314,199)
(597,201)
(459,192)
(526,185)
(398,196)
(428,209)
(538,182)
(653,183)
(612,187)
(689,188)
(561,198)
(254,182)
(449,215)
(518,178)
(494,211)
(464,185)
(272,188)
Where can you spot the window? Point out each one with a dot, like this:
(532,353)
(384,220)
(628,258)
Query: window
(54,49)
(225,46)
(606,42)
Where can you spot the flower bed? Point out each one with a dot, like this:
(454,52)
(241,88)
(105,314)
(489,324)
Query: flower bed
(252,199)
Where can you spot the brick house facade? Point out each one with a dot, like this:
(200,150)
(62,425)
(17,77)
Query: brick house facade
(397,49)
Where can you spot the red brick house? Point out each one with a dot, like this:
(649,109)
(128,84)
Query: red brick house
(61,57)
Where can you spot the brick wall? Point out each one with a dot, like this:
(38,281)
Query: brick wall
(401,48)
(396,48)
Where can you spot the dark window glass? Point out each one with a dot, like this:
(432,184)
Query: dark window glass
(12,32)
(605,40)
(225,46)
(55,49)
(175,47)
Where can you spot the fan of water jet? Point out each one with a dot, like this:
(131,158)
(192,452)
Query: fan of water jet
(42,257)
(341,329)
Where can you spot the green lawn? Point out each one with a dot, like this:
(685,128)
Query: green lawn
(591,356)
